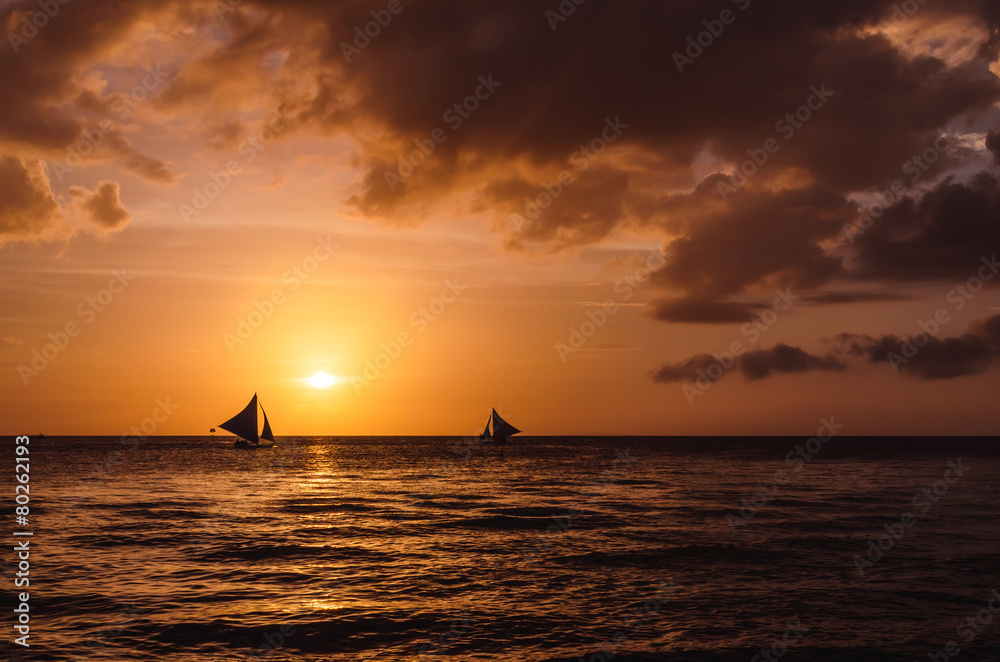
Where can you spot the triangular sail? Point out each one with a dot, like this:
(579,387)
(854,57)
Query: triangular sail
(502,429)
(244,424)
(266,434)
(485,436)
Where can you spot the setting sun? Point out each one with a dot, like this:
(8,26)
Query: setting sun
(323,380)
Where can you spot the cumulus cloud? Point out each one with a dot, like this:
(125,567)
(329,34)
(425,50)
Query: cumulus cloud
(892,93)
(102,206)
(993,143)
(942,236)
(51,106)
(28,208)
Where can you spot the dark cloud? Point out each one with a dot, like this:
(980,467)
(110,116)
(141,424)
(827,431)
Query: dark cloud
(555,91)
(943,235)
(27,207)
(989,330)
(103,205)
(690,370)
(785,359)
(701,311)
(759,239)
(923,356)
(48,112)
(559,87)
(932,358)
(993,143)
(759,364)
(39,79)
(831,298)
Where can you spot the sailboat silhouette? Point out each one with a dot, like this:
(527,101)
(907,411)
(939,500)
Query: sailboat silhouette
(244,426)
(502,430)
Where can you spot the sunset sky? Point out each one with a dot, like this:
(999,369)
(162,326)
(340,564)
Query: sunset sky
(569,212)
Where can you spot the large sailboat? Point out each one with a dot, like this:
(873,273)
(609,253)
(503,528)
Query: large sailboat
(244,426)
(502,430)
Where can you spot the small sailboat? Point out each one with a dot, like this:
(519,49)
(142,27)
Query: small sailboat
(244,426)
(502,430)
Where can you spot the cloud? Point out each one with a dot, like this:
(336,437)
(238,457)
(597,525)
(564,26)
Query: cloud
(993,143)
(924,357)
(761,240)
(944,235)
(687,131)
(102,206)
(785,359)
(833,298)
(28,209)
(701,311)
(759,364)
(946,358)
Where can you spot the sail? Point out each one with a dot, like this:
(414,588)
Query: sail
(485,436)
(501,428)
(244,424)
(266,434)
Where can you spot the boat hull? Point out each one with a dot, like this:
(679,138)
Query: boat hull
(246,445)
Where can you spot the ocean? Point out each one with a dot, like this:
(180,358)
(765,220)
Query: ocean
(608,548)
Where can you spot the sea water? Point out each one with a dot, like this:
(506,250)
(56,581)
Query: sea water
(620,548)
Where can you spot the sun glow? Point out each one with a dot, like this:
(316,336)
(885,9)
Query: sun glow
(323,380)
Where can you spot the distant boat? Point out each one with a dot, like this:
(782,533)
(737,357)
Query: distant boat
(502,430)
(244,426)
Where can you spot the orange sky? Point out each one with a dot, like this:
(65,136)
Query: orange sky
(301,214)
